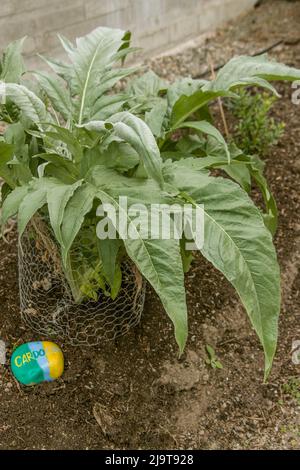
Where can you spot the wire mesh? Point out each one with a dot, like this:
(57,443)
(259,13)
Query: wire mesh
(47,304)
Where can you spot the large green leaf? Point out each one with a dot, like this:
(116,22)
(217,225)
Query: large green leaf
(31,105)
(241,70)
(33,200)
(158,260)
(12,202)
(240,173)
(55,171)
(57,93)
(185,106)
(237,243)
(135,132)
(110,77)
(108,250)
(183,87)
(209,129)
(63,70)
(12,65)
(77,207)
(244,70)
(118,155)
(39,192)
(160,263)
(59,161)
(255,166)
(147,85)
(107,105)
(155,117)
(61,134)
(57,199)
(94,52)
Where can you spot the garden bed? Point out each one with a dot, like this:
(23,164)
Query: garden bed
(134,393)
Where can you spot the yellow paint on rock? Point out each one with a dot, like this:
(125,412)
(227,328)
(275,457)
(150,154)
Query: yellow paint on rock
(55,359)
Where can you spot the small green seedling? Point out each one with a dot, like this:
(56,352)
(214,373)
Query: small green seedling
(212,359)
(292,388)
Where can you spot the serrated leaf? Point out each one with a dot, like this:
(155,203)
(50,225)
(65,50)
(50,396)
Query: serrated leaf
(183,87)
(154,118)
(245,70)
(160,262)
(78,206)
(62,69)
(135,132)
(107,105)
(12,202)
(109,249)
(94,52)
(238,244)
(271,215)
(59,161)
(68,46)
(57,198)
(57,93)
(12,62)
(147,85)
(209,129)
(185,106)
(30,105)
(61,134)
(239,173)
(34,199)
(110,77)
(120,156)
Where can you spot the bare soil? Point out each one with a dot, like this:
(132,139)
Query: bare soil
(135,393)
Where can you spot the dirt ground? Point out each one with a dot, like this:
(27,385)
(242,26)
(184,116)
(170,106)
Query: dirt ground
(142,395)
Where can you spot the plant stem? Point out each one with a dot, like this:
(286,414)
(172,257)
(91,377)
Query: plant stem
(213,75)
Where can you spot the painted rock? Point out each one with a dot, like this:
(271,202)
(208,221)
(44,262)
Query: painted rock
(38,361)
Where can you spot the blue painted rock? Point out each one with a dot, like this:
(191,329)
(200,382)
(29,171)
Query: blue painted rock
(38,361)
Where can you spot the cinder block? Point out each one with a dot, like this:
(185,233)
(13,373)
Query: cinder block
(29,5)
(55,21)
(30,45)
(14,27)
(6,8)
(45,5)
(95,8)
(151,43)
(184,28)
(117,19)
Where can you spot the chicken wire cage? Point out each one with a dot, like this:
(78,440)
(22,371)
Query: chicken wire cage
(47,304)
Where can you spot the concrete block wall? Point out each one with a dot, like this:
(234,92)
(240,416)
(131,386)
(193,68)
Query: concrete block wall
(157,25)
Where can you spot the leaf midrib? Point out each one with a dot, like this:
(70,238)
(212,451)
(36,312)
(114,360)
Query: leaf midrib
(86,83)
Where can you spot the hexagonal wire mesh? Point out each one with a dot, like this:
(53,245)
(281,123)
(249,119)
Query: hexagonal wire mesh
(47,304)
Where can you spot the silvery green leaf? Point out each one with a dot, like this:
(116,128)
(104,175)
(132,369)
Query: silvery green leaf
(245,70)
(237,243)
(57,93)
(12,64)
